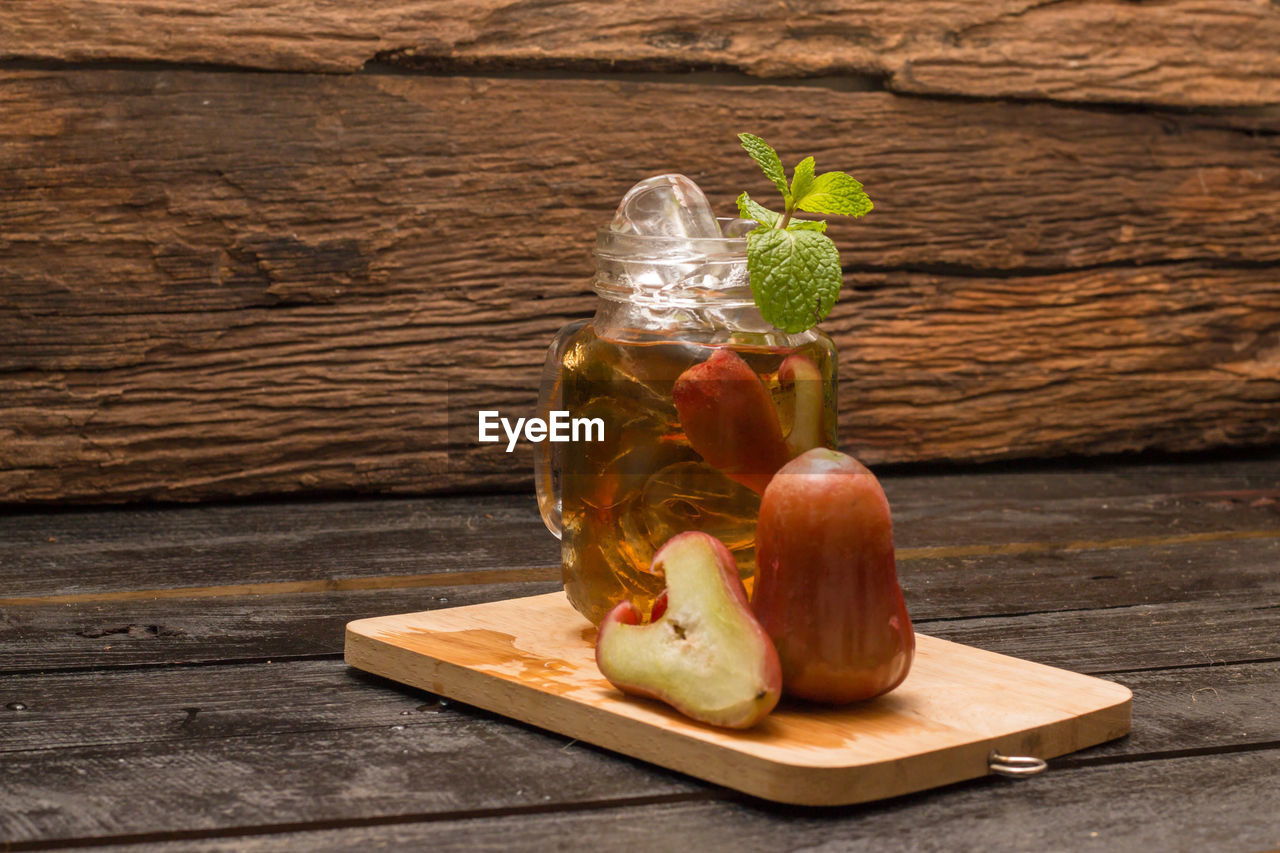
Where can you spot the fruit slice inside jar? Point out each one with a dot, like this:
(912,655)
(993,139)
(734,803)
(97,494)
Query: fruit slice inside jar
(622,498)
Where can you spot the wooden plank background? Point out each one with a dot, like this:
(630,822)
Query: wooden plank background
(1180,52)
(223,273)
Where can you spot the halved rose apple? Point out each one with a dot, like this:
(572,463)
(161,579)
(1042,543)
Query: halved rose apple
(807,428)
(702,652)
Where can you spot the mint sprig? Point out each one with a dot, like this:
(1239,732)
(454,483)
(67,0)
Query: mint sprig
(834,192)
(793,266)
(769,161)
(795,276)
(749,209)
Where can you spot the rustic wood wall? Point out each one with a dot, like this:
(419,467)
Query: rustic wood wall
(270,248)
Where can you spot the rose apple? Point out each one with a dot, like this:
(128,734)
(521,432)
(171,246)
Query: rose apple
(729,419)
(702,650)
(826,586)
(807,430)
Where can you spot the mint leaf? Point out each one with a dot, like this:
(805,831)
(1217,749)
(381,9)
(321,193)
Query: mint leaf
(749,209)
(801,179)
(793,266)
(795,276)
(834,192)
(768,160)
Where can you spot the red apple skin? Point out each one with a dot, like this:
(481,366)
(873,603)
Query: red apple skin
(826,586)
(729,419)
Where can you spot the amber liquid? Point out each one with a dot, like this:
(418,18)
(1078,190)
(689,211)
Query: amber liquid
(624,497)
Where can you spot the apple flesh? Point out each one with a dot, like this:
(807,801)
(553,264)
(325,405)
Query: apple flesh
(826,586)
(807,430)
(729,419)
(702,652)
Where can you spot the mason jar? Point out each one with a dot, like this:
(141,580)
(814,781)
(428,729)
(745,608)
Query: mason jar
(683,402)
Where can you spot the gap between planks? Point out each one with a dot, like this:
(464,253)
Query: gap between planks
(479,577)
(689,74)
(381,820)
(1069,760)
(709,795)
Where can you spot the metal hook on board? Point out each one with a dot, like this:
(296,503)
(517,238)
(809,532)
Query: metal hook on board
(1016,766)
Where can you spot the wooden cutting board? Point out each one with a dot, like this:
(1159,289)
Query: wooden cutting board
(532,659)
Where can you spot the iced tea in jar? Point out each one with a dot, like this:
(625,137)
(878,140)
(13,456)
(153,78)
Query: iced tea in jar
(699,399)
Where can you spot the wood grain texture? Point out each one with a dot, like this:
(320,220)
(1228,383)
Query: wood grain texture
(302,755)
(1184,804)
(414,767)
(1190,709)
(1182,52)
(297,284)
(227,715)
(106,551)
(1178,710)
(1107,596)
(976,521)
(1085,539)
(1222,629)
(233,628)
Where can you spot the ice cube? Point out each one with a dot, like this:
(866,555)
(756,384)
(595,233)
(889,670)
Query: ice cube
(738,227)
(609,565)
(638,441)
(666,206)
(695,496)
(641,375)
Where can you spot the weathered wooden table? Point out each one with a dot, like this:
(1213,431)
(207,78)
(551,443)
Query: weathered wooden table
(172,677)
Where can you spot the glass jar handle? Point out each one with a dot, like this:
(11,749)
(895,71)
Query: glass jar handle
(547,460)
